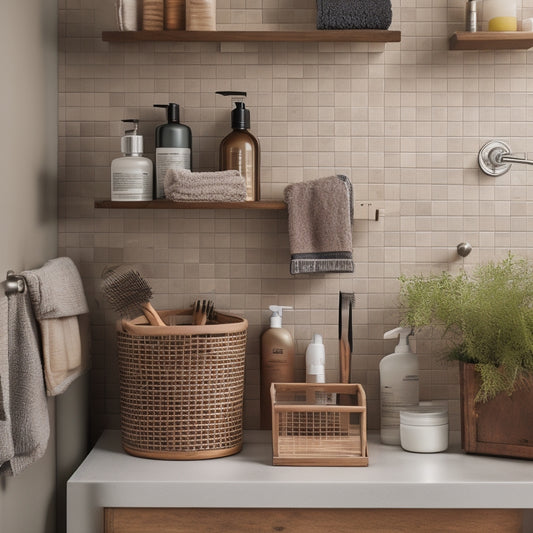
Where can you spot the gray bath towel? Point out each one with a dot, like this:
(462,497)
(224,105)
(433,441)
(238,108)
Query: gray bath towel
(6,438)
(354,14)
(320,225)
(221,186)
(28,409)
(59,303)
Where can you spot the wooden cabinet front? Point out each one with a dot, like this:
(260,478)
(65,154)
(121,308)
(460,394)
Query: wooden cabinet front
(212,520)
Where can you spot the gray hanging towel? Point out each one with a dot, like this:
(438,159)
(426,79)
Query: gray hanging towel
(6,438)
(30,427)
(320,225)
(353,14)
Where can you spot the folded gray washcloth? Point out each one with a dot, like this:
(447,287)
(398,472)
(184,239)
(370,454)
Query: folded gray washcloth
(320,225)
(354,14)
(222,186)
(60,306)
(28,409)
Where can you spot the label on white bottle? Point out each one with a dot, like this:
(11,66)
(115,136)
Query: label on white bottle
(395,398)
(131,185)
(166,158)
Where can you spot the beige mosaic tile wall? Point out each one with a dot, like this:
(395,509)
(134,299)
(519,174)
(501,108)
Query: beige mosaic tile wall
(404,121)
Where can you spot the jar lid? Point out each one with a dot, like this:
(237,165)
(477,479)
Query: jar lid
(424,416)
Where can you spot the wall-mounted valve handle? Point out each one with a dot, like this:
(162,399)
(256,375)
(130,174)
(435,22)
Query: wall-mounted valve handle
(495,158)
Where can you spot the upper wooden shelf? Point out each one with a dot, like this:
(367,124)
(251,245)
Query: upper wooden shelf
(491,40)
(169,204)
(367,36)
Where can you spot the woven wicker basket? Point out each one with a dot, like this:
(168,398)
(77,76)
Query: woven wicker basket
(182,386)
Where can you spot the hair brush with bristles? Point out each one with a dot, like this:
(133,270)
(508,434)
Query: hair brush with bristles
(128,293)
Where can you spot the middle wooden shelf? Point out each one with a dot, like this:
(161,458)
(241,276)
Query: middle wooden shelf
(271,205)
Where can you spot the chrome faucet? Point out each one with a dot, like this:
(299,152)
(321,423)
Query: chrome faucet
(495,158)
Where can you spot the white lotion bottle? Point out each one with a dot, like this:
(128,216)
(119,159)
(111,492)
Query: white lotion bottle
(315,361)
(399,385)
(315,369)
(132,174)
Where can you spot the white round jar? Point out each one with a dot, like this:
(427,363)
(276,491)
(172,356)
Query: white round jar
(424,429)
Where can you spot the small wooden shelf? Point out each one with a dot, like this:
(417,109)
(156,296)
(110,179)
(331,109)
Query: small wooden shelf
(368,36)
(491,40)
(169,204)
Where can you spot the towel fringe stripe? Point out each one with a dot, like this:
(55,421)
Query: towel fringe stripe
(309,266)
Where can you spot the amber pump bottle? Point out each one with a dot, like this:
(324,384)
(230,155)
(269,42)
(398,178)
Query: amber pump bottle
(240,150)
(277,361)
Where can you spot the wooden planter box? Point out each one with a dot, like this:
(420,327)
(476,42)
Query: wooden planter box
(502,426)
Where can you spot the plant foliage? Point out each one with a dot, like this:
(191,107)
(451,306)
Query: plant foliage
(488,314)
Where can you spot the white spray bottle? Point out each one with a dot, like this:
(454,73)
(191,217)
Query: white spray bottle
(315,361)
(398,376)
(315,369)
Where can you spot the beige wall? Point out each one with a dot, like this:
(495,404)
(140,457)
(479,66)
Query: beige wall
(28,213)
(404,121)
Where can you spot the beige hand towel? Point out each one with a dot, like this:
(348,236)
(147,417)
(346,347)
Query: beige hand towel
(320,225)
(222,186)
(60,306)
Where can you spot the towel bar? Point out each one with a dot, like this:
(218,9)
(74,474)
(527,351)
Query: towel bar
(14,283)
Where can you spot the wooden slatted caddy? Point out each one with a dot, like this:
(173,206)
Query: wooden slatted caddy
(306,431)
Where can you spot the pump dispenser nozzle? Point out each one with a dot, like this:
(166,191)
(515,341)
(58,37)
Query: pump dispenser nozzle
(173,111)
(403,343)
(132,142)
(240,116)
(135,122)
(277,313)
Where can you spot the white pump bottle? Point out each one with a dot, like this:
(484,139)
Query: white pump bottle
(398,376)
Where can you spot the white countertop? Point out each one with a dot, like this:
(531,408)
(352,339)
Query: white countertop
(394,479)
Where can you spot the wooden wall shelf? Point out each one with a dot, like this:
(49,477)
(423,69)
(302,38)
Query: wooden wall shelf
(491,40)
(169,204)
(367,36)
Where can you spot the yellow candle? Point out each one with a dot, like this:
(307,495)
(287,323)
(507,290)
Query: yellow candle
(503,24)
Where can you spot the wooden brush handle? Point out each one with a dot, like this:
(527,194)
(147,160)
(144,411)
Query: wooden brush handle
(344,359)
(152,315)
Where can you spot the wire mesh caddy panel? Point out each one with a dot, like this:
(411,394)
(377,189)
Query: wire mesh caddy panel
(181,395)
(307,430)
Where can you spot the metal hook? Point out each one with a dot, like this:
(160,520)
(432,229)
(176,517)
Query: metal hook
(14,283)
(464,248)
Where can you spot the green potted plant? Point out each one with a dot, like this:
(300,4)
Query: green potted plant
(488,317)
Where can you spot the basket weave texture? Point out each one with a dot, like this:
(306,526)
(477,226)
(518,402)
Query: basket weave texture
(181,394)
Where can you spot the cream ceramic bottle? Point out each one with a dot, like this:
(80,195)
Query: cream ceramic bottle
(277,361)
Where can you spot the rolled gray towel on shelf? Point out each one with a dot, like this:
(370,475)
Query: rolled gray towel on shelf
(354,14)
(182,185)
